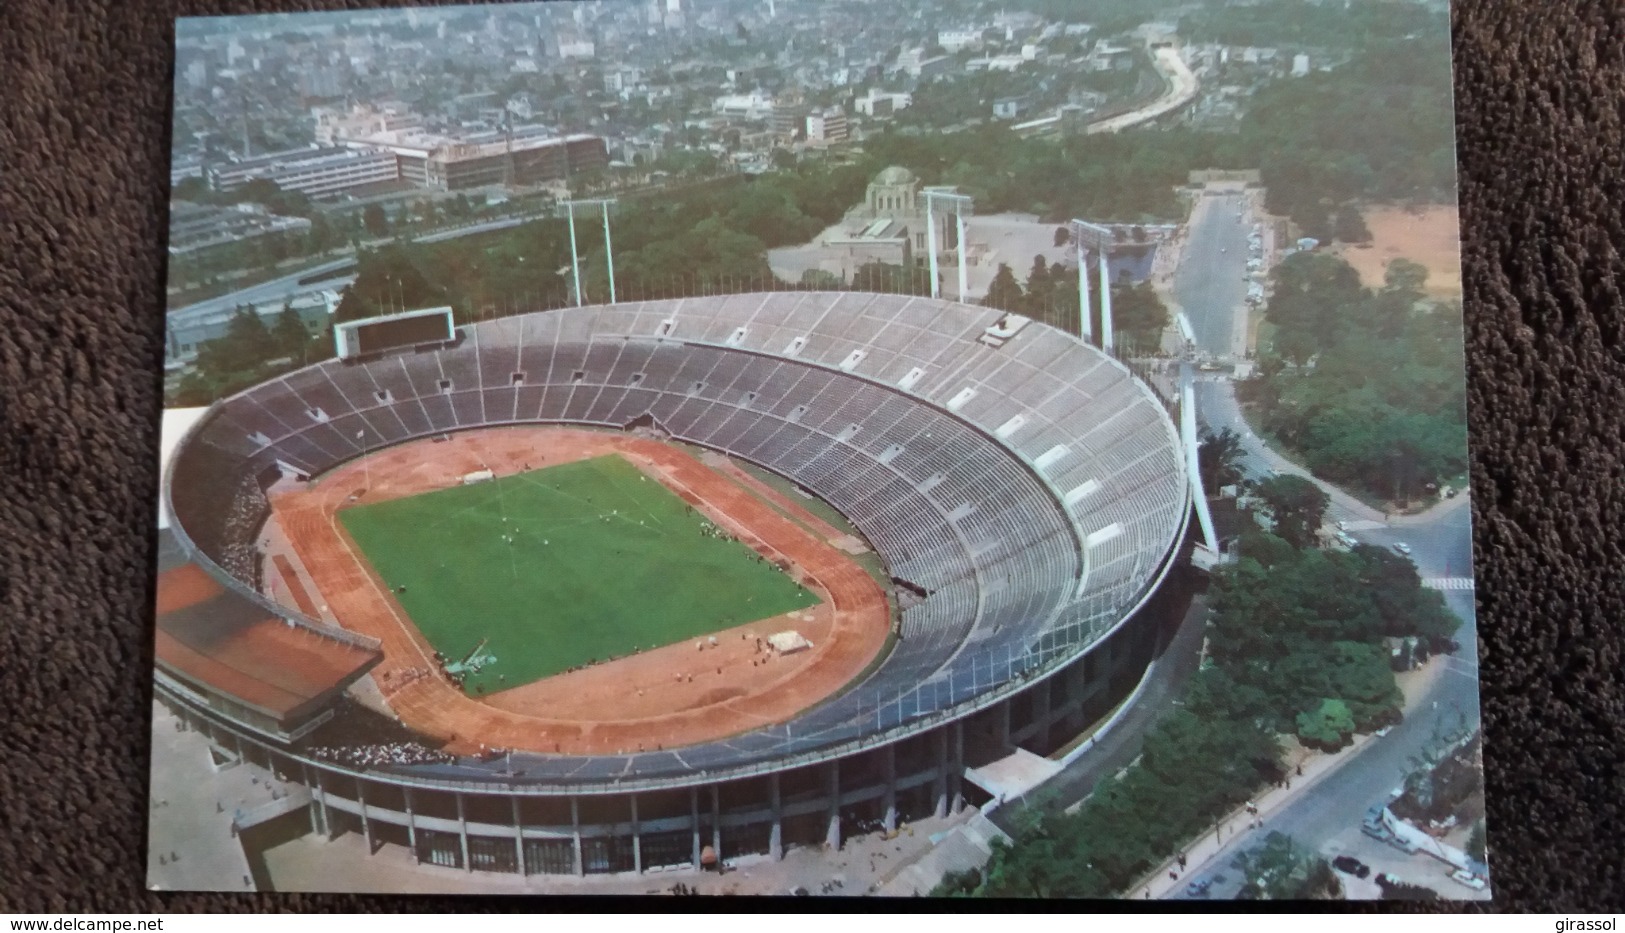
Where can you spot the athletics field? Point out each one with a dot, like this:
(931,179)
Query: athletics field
(561,567)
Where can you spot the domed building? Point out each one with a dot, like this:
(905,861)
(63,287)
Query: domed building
(892,194)
(889,226)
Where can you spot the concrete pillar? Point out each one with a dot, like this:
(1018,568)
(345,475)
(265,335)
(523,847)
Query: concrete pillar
(518,838)
(575,834)
(888,764)
(775,839)
(366,824)
(1106,329)
(694,821)
(1086,324)
(315,824)
(959,238)
(1001,724)
(939,783)
(411,826)
(716,823)
(637,835)
(833,838)
(462,833)
(1041,712)
(956,766)
(931,245)
(321,801)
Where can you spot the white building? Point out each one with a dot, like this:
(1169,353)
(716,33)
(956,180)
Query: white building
(753,106)
(955,40)
(882,103)
(827,126)
(577,48)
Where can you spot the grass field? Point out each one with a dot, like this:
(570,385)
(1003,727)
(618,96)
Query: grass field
(602,561)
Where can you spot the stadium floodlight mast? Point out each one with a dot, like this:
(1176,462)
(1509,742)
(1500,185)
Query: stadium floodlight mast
(1193,459)
(959,205)
(1101,237)
(604,204)
(366,451)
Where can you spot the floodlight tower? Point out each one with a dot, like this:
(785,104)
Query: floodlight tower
(1102,238)
(959,205)
(603,204)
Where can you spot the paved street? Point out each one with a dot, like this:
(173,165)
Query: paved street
(1210,282)
(1326,814)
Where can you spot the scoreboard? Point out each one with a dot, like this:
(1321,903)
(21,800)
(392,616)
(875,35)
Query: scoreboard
(374,335)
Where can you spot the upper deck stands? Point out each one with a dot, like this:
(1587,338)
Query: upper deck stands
(1032,489)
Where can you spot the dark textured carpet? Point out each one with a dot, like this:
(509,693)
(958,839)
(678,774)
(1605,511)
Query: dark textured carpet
(84,95)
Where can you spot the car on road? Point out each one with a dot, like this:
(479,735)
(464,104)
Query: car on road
(1199,887)
(1345,539)
(1402,548)
(1350,865)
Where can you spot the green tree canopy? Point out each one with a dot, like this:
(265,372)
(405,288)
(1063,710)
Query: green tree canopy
(1218,458)
(1298,507)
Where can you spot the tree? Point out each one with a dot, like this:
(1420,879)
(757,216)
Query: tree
(389,279)
(820,279)
(290,335)
(192,188)
(1350,226)
(374,219)
(1313,294)
(1297,505)
(1004,293)
(1219,459)
(1139,311)
(1280,870)
(1476,844)
(321,237)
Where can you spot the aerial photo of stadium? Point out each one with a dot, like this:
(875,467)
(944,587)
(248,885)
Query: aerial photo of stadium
(556,545)
(718,447)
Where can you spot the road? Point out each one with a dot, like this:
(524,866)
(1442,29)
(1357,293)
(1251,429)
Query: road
(278,290)
(1326,816)
(1182,87)
(1210,283)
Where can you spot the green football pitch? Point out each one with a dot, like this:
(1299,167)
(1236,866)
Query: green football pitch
(602,560)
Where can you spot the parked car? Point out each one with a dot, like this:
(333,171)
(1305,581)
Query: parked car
(1469,879)
(1402,548)
(1351,865)
(1198,888)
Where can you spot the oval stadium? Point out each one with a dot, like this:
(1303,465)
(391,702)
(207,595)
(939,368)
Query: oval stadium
(907,538)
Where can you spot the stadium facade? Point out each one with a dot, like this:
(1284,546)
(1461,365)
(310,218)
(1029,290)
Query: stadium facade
(1026,489)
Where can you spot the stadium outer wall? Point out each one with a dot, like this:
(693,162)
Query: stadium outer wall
(474,828)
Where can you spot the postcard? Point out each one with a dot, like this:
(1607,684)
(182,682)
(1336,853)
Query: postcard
(941,448)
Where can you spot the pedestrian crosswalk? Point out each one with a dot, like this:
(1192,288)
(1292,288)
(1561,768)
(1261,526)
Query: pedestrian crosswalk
(1448,583)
